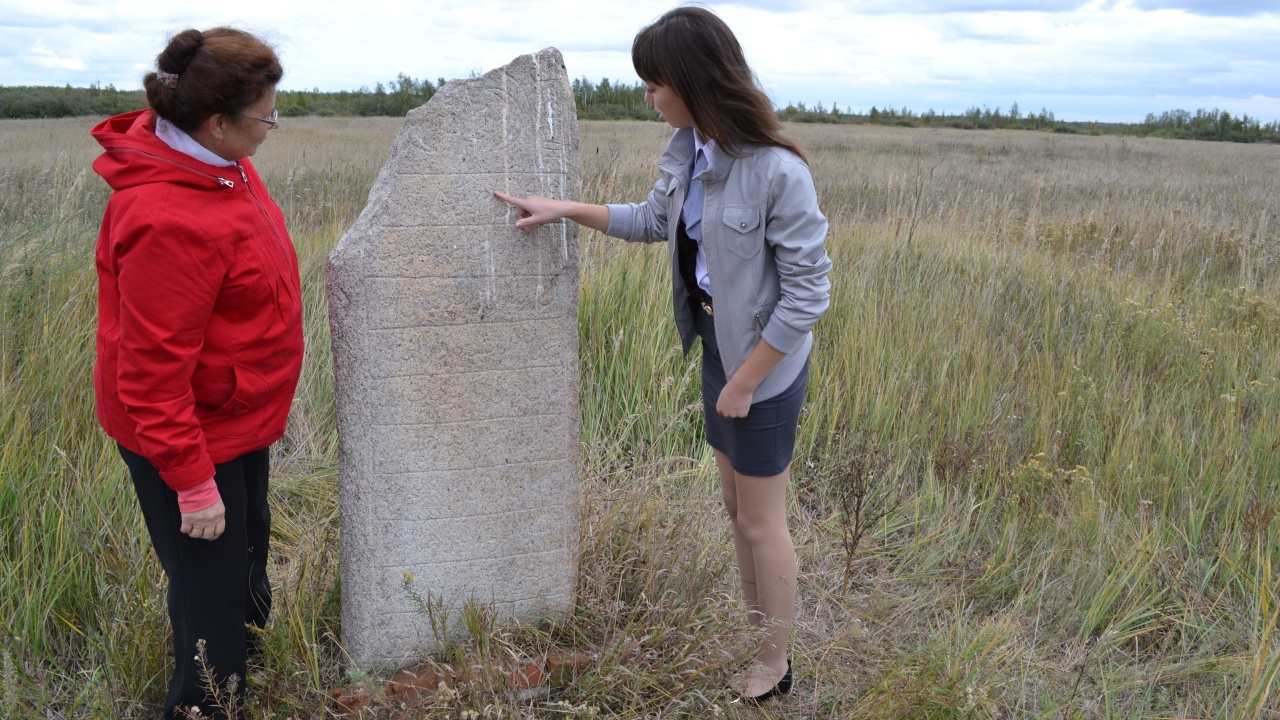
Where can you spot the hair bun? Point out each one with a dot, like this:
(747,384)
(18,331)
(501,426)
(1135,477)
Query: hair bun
(181,49)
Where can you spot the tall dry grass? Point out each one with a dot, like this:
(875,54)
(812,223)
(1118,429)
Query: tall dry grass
(1049,377)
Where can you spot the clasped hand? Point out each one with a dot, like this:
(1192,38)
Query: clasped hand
(206,524)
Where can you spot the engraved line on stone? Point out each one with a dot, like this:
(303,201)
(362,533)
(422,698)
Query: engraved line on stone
(467,422)
(467,323)
(564,192)
(492,601)
(551,117)
(537,119)
(468,227)
(487,322)
(451,226)
(366,314)
(507,276)
(471,114)
(424,522)
(537,294)
(521,463)
(499,602)
(444,523)
(461,324)
(492,175)
(428,473)
(491,286)
(506,148)
(515,464)
(433,376)
(535,319)
(524,510)
(521,599)
(420,518)
(554,551)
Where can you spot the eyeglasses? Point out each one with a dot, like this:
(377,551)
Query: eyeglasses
(273,120)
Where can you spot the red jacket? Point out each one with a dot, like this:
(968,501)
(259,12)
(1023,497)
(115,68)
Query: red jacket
(199,306)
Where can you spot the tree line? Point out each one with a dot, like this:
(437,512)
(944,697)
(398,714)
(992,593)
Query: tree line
(617,100)
(1204,124)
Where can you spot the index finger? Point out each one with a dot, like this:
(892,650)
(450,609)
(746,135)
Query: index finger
(505,197)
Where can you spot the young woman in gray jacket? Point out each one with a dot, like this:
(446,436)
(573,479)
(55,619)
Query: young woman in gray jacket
(736,204)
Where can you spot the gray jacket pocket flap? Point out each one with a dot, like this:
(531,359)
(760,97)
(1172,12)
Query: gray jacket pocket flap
(742,219)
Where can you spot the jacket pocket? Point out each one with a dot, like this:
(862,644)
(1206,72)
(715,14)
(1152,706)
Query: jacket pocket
(243,413)
(744,233)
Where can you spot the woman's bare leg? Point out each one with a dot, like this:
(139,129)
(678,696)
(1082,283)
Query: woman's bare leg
(746,562)
(767,564)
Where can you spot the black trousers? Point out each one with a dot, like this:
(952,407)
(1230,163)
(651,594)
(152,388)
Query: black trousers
(218,589)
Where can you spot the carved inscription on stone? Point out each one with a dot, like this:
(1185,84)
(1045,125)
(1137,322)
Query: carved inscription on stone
(455,350)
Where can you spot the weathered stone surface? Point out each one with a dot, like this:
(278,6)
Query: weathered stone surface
(455,349)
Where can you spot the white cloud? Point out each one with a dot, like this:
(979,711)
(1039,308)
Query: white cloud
(49,60)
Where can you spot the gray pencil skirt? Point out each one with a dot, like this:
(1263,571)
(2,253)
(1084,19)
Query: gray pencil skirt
(762,443)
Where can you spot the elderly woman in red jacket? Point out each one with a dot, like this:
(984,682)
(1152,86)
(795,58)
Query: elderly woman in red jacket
(199,341)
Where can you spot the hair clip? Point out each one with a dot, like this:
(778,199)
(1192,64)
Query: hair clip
(167,79)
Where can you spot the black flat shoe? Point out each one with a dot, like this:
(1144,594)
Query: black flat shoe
(782,688)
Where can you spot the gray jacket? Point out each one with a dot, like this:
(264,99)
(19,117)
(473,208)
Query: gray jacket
(763,236)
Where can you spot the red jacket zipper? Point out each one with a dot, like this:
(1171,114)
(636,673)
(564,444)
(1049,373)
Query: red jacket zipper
(221,181)
(266,216)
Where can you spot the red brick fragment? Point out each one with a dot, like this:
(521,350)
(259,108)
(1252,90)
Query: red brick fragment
(563,666)
(350,702)
(526,674)
(413,681)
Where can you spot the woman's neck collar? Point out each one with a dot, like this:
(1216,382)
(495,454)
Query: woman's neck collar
(182,141)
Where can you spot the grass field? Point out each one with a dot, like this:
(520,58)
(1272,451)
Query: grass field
(1037,473)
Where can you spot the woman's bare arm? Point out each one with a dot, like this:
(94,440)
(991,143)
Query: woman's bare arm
(536,210)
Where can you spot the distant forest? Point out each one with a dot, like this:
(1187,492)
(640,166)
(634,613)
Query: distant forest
(607,100)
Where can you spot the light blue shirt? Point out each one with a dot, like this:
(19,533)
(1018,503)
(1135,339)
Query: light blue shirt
(692,210)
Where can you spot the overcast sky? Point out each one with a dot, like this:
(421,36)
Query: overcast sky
(1111,60)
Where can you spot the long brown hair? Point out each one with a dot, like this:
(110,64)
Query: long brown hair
(222,70)
(694,53)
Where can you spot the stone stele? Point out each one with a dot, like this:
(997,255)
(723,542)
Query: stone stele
(455,353)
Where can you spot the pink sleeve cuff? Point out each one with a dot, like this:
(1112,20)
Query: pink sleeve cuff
(199,497)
